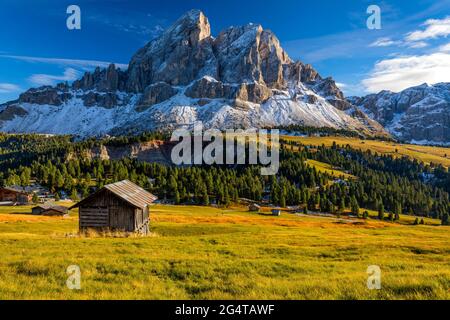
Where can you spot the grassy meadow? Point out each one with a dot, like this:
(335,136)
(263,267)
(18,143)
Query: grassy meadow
(426,154)
(328,168)
(210,253)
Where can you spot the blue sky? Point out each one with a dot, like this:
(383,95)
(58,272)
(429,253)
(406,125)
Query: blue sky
(412,47)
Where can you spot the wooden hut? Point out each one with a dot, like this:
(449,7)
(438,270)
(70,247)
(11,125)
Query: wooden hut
(254,207)
(122,206)
(50,210)
(15,195)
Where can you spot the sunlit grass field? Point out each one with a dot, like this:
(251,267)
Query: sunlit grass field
(426,154)
(328,168)
(210,253)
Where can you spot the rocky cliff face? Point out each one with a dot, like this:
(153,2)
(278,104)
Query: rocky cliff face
(152,151)
(420,114)
(241,78)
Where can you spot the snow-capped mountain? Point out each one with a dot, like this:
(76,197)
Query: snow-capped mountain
(419,114)
(241,78)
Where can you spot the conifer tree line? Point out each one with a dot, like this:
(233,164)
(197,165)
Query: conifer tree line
(391,186)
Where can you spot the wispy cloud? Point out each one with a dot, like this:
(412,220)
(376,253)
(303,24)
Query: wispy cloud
(9,88)
(145,25)
(84,64)
(417,45)
(400,73)
(384,42)
(434,28)
(69,74)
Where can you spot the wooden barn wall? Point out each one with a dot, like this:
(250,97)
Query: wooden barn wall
(142,220)
(8,195)
(106,210)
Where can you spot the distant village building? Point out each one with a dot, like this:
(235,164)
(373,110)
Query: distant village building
(50,210)
(15,195)
(122,206)
(254,207)
(276,212)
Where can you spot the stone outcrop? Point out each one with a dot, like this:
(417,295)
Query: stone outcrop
(154,94)
(105,100)
(45,95)
(110,79)
(298,72)
(212,89)
(12,111)
(152,151)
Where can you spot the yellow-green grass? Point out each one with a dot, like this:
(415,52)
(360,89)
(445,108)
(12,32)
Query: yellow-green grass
(209,253)
(328,168)
(426,154)
(405,219)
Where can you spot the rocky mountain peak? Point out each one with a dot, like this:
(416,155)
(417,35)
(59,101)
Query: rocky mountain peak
(182,54)
(241,78)
(193,26)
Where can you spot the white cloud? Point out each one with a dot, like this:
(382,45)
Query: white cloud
(435,28)
(384,42)
(8,88)
(400,73)
(417,45)
(445,48)
(70,74)
(85,64)
(341,85)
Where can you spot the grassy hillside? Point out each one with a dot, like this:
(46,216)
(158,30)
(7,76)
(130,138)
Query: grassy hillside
(328,168)
(208,253)
(426,154)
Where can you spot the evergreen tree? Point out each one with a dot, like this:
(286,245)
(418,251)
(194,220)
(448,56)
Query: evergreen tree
(354,206)
(312,204)
(381,211)
(177,199)
(205,198)
(74,195)
(35,198)
(445,219)
(342,205)
(366,215)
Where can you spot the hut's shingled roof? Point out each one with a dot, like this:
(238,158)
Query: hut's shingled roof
(46,207)
(129,192)
(15,189)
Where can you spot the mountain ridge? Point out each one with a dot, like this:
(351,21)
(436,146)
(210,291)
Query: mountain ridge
(419,114)
(240,79)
